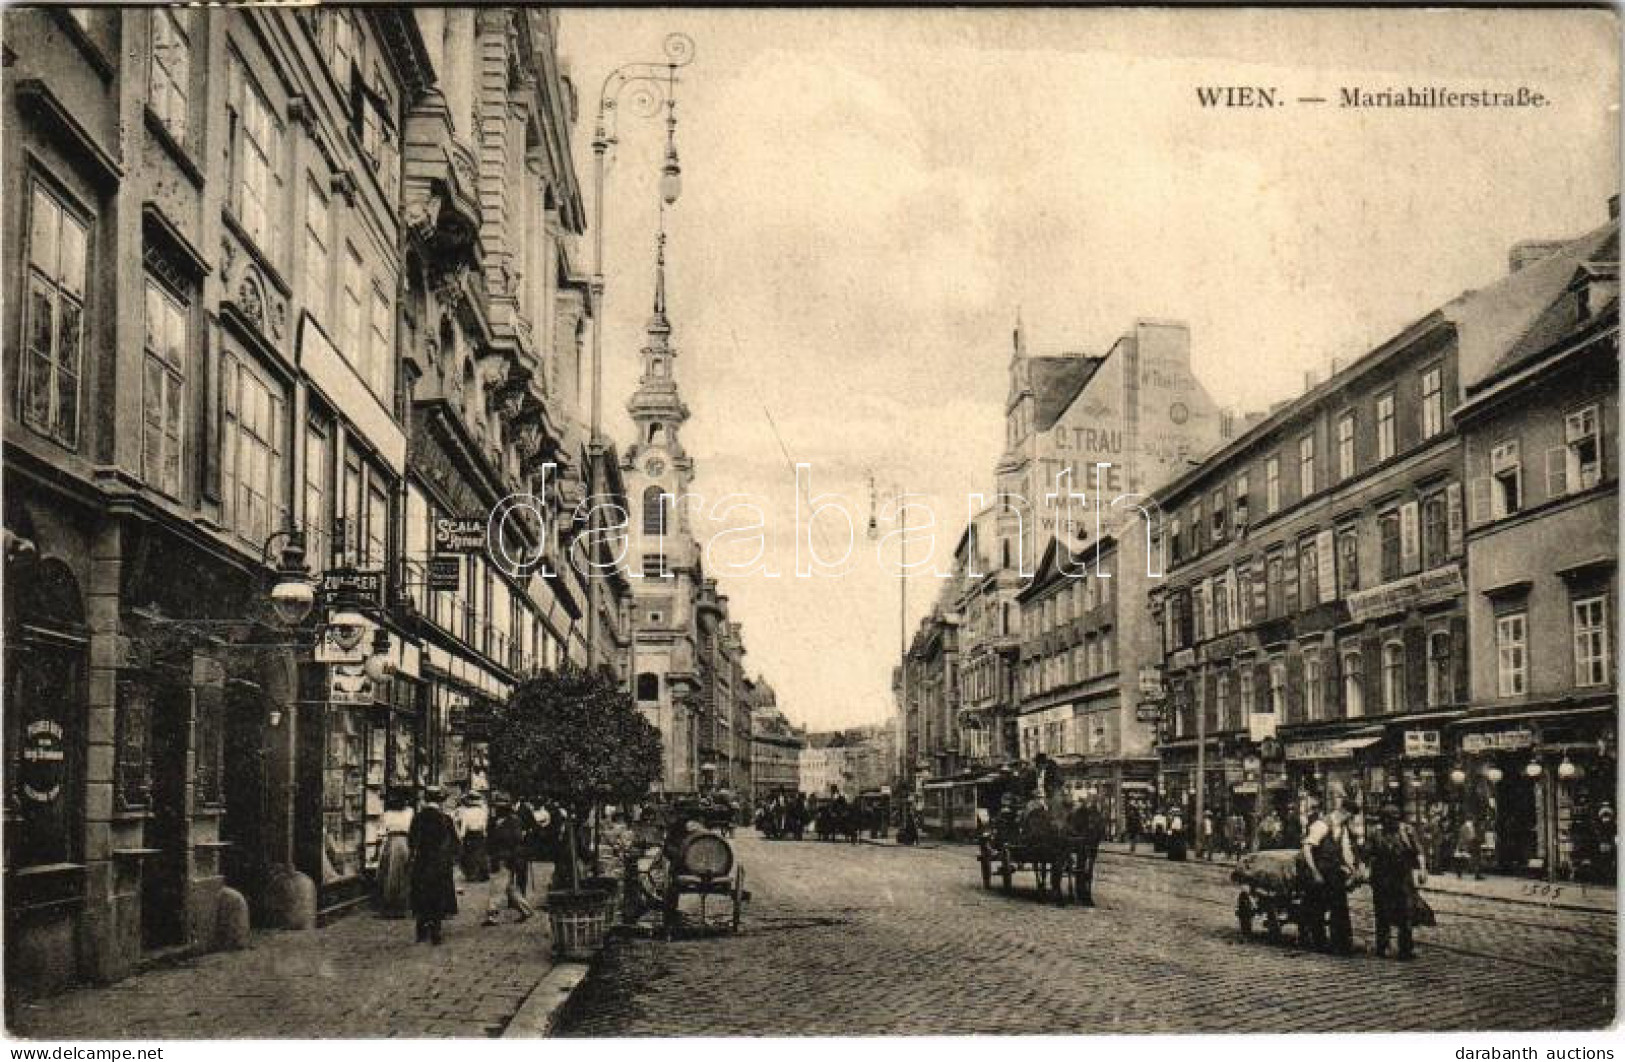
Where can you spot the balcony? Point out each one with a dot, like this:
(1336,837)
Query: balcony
(439,196)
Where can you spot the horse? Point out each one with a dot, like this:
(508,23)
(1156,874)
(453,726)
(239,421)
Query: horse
(1085,828)
(1045,841)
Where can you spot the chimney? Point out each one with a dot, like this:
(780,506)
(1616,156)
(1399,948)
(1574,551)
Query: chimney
(1311,380)
(1337,366)
(1528,252)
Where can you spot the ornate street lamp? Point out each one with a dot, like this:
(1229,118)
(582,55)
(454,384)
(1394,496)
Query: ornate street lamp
(294,593)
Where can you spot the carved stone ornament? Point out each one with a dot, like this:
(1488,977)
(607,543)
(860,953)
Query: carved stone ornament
(250,301)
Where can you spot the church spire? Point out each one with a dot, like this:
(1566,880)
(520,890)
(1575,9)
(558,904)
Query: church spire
(658,322)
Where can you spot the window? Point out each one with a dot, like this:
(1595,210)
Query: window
(1353,691)
(1175,542)
(1345,446)
(351,514)
(1313,684)
(1196,527)
(255,138)
(1348,560)
(1511,661)
(132,768)
(208,776)
(1241,503)
(1506,479)
(1388,536)
(1245,689)
(318,251)
(1218,515)
(1385,427)
(1308,574)
(1582,454)
(336,32)
(53,318)
(1435,530)
(1275,585)
(1221,605)
(1393,676)
(380,353)
(352,285)
(1272,485)
(648,686)
(1106,651)
(1306,466)
(378,138)
(654,566)
(1221,701)
(1199,613)
(1432,403)
(1591,641)
(377,522)
(171,68)
(318,476)
(1440,676)
(163,390)
(252,496)
(1277,688)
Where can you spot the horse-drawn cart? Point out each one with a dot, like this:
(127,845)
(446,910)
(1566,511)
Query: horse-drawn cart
(1058,847)
(692,861)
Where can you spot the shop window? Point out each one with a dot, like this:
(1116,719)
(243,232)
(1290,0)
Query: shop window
(343,815)
(1591,649)
(170,73)
(1386,441)
(1510,649)
(1393,676)
(53,318)
(163,389)
(132,764)
(1440,669)
(1353,690)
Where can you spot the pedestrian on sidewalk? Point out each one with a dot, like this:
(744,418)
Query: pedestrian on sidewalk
(1397,868)
(1159,832)
(1176,836)
(1468,852)
(1208,838)
(507,852)
(1132,825)
(394,881)
(473,819)
(433,842)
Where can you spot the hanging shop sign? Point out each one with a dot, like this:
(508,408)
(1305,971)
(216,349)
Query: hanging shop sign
(1439,584)
(1147,711)
(1150,682)
(43,760)
(1318,750)
(349,684)
(1421,743)
(353,587)
(1261,725)
(1182,658)
(459,534)
(1497,741)
(338,645)
(446,573)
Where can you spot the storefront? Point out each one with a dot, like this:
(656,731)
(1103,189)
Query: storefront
(1334,772)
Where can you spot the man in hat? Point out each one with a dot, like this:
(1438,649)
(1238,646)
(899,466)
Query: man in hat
(507,853)
(432,840)
(1329,855)
(1393,855)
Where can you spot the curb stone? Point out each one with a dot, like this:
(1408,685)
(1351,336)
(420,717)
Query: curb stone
(539,1013)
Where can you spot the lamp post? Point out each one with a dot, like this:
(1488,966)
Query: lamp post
(897,496)
(653,84)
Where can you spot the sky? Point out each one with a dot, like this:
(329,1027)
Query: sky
(872,198)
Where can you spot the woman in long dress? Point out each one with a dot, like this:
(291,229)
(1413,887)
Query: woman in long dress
(394,873)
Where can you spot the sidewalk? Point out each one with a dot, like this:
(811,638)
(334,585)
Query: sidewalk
(1562,895)
(361,976)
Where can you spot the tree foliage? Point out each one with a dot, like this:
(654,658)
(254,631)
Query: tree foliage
(574,736)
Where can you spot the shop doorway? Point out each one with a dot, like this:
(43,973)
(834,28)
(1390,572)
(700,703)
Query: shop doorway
(1514,822)
(247,807)
(163,877)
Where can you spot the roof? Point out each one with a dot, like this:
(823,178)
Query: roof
(1517,316)
(1056,382)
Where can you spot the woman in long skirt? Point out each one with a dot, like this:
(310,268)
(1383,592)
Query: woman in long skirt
(394,874)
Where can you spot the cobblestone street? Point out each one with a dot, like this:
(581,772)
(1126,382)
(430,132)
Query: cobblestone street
(362,976)
(878,939)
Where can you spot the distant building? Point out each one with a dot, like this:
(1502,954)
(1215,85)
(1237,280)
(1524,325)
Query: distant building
(776,749)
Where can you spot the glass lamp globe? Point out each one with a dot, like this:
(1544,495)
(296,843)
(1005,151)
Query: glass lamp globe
(1458,776)
(671,178)
(292,598)
(1494,774)
(1567,770)
(1534,769)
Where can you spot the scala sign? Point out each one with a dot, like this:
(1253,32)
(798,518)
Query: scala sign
(459,534)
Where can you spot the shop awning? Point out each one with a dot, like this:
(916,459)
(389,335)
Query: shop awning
(1329,749)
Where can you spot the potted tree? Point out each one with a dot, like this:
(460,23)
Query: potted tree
(574,736)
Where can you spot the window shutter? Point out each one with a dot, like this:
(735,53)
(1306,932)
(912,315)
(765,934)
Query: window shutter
(1557,471)
(1478,501)
(212,422)
(1453,525)
(1326,565)
(1294,688)
(1410,540)
(1458,657)
(1289,579)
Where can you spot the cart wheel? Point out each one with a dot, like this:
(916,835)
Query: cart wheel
(739,897)
(1272,926)
(986,859)
(1244,913)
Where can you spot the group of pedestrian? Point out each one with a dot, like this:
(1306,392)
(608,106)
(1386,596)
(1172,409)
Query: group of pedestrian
(425,849)
(1336,854)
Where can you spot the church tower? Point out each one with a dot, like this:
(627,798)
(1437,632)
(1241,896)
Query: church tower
(663,559)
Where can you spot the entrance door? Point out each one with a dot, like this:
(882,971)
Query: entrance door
(246,805)
(163,877)
(1514,821)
